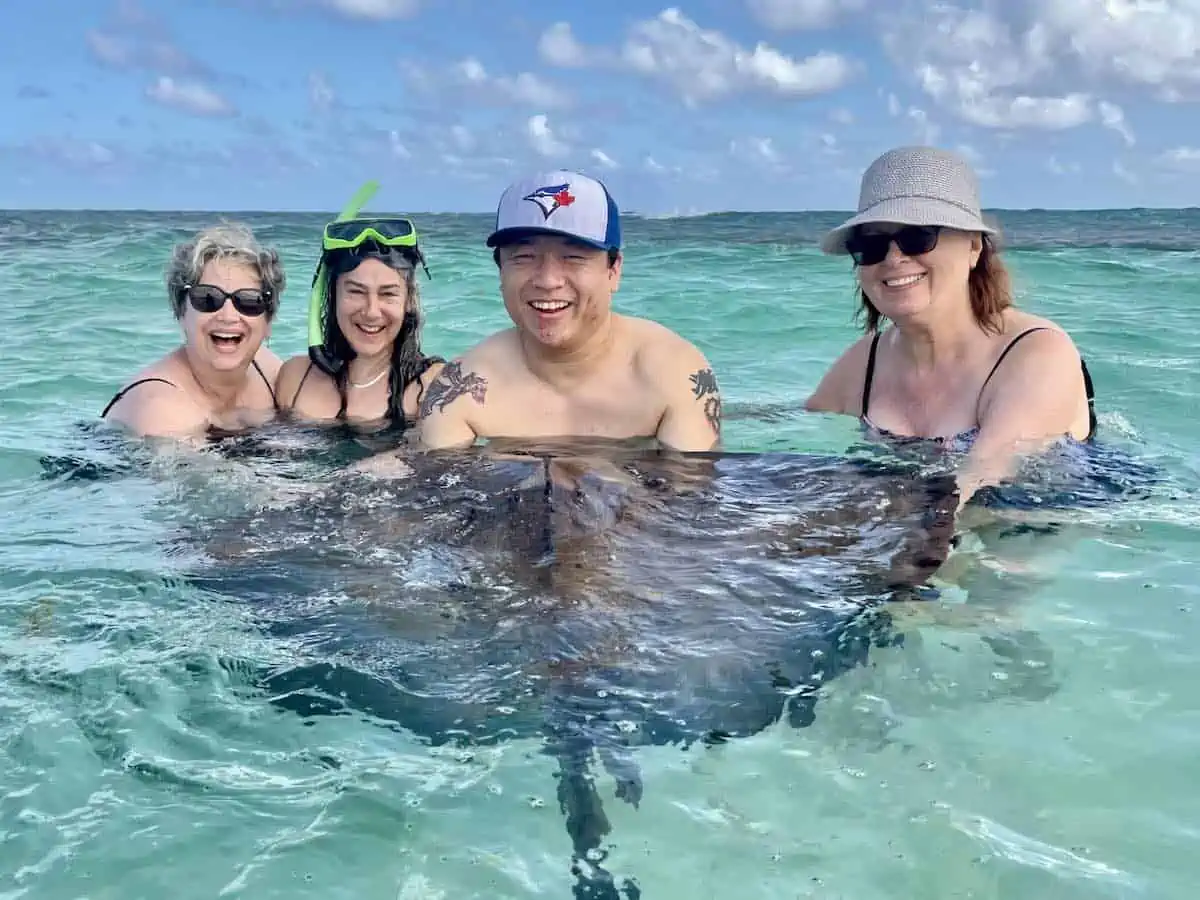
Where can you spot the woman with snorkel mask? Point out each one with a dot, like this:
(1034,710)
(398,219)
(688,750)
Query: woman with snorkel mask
(364,362)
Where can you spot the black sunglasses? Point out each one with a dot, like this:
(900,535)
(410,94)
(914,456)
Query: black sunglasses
(872,248)
(208,298)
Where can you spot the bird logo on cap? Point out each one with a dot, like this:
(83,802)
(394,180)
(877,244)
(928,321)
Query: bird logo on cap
(550,198)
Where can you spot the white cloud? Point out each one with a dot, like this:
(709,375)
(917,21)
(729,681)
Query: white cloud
(527,88)
(1123,173)
(700,64)
(1061,168)
(604,159)
(1045,64)
(373,10)
(397,147)
(462,137)
(523,89)
(558,46)
(703,65)
(1112,116)
(320,93)
(975,158)
(543,139)
(109,49)
(792,15)
(1181,159)
(1151,43)
(189,97)
(757,150)
(472,70)
(925,131)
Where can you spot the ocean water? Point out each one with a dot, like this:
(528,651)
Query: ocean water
(1033,734)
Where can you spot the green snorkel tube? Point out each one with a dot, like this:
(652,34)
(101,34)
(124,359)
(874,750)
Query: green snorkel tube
(317,350)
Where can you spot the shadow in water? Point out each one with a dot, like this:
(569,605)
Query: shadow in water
(594,601)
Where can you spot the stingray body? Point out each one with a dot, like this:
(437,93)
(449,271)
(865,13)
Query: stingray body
(661,601)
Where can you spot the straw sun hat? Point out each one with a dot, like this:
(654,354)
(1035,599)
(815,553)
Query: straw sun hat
(915,186)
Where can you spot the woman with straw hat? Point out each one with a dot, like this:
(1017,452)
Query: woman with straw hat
(960,366)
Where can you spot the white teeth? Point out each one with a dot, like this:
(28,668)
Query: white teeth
(903,282)
(549,306)
(371,329)
(226,335)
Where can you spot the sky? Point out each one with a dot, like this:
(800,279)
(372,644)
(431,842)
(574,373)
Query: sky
(704,106)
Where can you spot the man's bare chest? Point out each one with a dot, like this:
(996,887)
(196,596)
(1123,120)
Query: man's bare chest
(613,408)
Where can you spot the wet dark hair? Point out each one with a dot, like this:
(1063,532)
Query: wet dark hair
(408,360)
(988,284)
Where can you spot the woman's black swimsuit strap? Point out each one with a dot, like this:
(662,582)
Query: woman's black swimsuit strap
(300,386)
(267,382)
(1089,388)
(866,397)
(129,387)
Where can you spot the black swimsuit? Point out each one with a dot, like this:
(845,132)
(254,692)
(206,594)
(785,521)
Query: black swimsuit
(129,387)
(964,439)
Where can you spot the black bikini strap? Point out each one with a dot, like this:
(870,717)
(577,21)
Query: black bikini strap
(129,387)
(300,386)
(1090,390)
(267,382)
(1004,353)
(1088,387)
(866,395)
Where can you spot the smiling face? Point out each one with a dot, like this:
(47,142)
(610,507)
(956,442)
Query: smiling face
(371,301)
(225,340)
(902,285)
(557,291)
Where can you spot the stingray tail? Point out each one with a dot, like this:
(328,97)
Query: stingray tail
(587,824)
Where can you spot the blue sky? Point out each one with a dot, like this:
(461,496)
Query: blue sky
(706,105)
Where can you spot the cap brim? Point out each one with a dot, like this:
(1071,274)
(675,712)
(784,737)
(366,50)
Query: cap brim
(905,211)
(508,235)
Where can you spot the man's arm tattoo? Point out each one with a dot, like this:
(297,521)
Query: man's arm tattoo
(704,386)
(451,384)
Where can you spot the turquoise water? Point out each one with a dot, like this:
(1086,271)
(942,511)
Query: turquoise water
(1033,735)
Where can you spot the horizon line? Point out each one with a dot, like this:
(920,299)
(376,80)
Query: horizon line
(631,212)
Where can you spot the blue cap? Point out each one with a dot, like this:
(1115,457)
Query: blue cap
(561,202)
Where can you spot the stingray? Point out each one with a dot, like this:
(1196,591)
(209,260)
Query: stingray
(649,599)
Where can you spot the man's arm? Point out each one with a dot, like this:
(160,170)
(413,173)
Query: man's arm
(444,415)
(692,421)
(1033,401)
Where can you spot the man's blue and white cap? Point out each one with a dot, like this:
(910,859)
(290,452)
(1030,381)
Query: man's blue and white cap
(561,202)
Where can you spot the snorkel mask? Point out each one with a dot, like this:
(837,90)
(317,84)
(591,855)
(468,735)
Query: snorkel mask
(349,233)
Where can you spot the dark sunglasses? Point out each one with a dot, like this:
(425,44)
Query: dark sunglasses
(208,298)
(912,240)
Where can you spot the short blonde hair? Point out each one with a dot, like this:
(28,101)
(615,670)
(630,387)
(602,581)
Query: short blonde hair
(228,240)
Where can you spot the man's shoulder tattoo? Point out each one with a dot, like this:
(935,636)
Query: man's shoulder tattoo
(451,384)
(704,386)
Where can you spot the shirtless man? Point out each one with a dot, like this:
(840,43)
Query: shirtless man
(570,366)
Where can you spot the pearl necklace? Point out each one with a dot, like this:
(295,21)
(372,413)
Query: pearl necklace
(375,380)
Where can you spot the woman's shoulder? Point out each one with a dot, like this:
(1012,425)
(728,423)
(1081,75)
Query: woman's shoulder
(1036,335)
(840,388)
(154,401)
(300,373)
(268,363)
